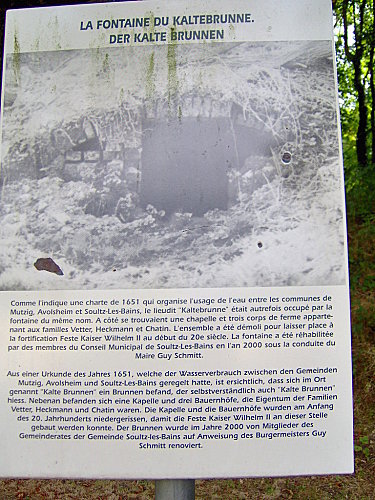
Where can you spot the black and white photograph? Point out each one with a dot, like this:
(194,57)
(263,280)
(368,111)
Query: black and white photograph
(169,166)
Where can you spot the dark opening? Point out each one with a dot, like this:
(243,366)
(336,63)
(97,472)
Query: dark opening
(184,164)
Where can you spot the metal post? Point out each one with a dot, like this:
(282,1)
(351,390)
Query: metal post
(175,489)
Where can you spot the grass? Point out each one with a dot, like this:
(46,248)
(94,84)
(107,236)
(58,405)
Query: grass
(361,234)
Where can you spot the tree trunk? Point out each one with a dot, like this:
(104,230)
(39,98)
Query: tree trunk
(362,111)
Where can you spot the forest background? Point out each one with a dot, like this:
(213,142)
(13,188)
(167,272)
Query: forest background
(355,49)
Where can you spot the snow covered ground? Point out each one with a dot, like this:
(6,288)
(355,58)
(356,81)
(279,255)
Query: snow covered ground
(283,225)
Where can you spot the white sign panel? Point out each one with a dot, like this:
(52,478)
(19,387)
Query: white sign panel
(174,278)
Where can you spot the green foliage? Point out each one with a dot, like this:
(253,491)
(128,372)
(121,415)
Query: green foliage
(355,42)
(360,186)
(362,446)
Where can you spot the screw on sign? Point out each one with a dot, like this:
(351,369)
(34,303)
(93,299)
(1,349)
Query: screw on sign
(287,157)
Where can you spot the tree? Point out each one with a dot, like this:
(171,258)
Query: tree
(355,25)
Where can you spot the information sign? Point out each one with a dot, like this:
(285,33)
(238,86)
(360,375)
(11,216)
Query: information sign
(174,276)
